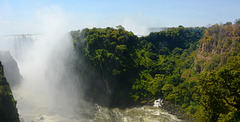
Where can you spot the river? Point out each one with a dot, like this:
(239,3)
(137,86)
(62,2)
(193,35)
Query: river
(51,92)
(87,112)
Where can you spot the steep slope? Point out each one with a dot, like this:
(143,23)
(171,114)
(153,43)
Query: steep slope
(108,62)
(187,67)
(219,42)
(8,110)
(217,61)
(11,70)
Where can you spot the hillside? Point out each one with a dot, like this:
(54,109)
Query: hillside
(183,66)
(217,60)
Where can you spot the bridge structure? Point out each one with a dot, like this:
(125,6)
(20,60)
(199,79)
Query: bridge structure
(17,44)
(20,35)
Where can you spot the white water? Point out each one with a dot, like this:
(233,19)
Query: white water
(158,103)
(51,91)
(42,66)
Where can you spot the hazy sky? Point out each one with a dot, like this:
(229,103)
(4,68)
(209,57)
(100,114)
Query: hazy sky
(30,16)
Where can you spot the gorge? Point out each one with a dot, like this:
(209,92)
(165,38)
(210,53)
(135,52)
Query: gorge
(110,74)
(47,87)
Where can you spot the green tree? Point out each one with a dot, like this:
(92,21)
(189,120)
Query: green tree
(221,87)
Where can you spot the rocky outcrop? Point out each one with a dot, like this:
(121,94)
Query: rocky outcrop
(221,39)
(217,45)
(11,69)
(176,110)
(8,110)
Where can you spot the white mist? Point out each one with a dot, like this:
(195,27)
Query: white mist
(49,90)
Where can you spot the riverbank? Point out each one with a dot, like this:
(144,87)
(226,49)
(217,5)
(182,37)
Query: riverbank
(176,110)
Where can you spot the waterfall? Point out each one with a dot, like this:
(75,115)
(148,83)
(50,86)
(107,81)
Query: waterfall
(51,90)
(48,86)
(17,45)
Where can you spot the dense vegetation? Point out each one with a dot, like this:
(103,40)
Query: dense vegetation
(8,110)
(194,68)
(109,55)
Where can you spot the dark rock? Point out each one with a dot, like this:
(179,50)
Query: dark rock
(10,68)
(176,110)
(8,110)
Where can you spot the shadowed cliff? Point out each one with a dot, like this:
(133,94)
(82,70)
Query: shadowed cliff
(8,110)
(11,69)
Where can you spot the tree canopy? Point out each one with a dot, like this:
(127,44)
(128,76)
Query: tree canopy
(187,67)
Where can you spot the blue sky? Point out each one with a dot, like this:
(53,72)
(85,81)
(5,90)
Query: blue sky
(26,16)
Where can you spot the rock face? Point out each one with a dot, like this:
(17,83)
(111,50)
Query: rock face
(8,110)
(11,70)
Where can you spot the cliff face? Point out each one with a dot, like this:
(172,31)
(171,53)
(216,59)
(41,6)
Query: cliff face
(11,70)
(8,110)
(220,39)
(218,44)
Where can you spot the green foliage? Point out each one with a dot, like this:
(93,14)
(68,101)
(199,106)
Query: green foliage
(237,21)
(161,58)
(222,87)
(221,39)
(185,66)
(109,55)
(8,110)
(175,37)
(177,51)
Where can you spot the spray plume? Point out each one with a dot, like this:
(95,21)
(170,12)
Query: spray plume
(49,89)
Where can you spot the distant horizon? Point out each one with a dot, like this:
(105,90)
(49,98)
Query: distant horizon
(150,29)
(157,29)
(38,16)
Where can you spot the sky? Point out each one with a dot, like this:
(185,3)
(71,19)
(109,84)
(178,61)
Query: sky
(35,16)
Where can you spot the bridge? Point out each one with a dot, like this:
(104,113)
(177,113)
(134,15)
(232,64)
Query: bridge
(21,35)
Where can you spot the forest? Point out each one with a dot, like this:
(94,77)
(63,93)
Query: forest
(190,67)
